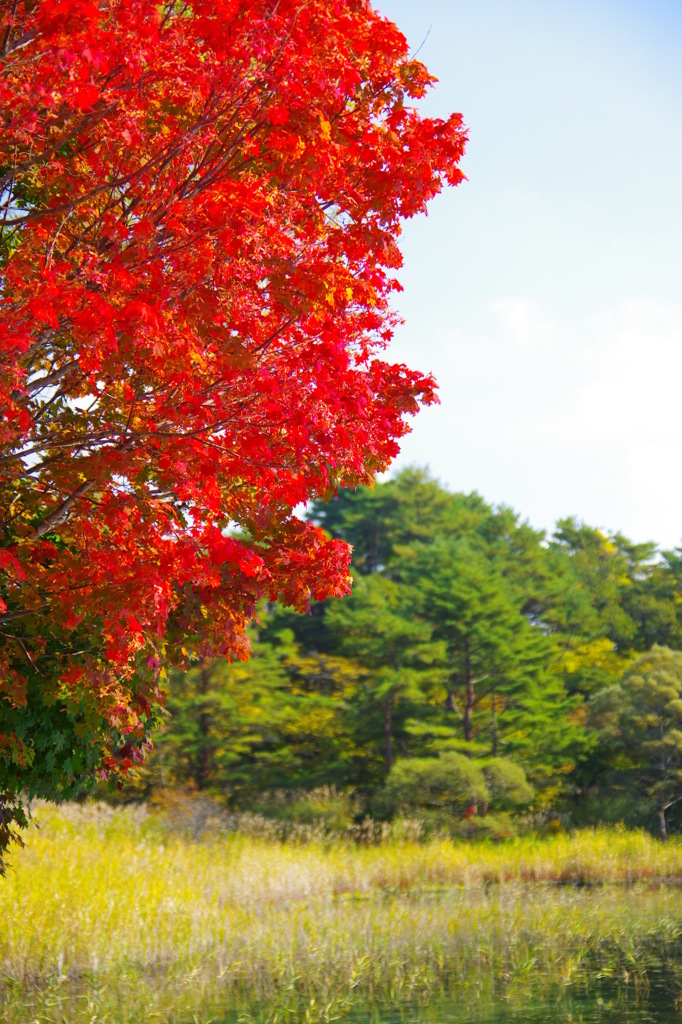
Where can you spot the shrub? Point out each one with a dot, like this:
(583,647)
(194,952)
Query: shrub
(451,782)
(509,788)
(493,827)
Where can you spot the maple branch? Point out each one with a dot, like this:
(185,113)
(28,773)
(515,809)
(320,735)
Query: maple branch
(132,409)
(22,645)
(46,445)
(45,408)
(46,335)
(164,157)
(8,30)
(23,612)
(20,43)
(46,154)
(61,511)
(50,378)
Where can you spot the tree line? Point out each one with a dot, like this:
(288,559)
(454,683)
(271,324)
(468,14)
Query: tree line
(481,674)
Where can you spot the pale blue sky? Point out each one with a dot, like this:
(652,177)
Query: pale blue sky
(545,292)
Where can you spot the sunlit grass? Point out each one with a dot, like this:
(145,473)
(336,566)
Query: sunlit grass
(109,916)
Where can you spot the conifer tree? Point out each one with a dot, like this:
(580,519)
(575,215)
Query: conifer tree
(397,657)
(644,713)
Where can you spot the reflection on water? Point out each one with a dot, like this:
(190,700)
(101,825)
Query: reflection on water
(658,1003)
(657,1006)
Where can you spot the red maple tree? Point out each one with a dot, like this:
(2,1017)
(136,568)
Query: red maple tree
(199,207)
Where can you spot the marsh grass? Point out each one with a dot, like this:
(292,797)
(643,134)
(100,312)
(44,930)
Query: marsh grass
(115,915)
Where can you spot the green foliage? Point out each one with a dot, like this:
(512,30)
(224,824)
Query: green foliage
(455,794)
(490,592)
(332,809)
(243,728)
(469,634)
(495,827)
(508,786)
(54,747)
(497,683)
(397,662)
(51,745)
(642,722)
(452,782)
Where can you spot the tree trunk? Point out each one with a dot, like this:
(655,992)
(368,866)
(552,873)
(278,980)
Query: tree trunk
(470,695)
(388,731)
(203,754)
(664,774)
(661,823)
(494,724)
(203,759)
(451,702)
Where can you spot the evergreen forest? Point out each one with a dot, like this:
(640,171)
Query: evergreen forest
(482,677)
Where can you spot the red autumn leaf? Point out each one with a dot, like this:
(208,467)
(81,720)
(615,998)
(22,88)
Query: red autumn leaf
(86,96)
(277,115)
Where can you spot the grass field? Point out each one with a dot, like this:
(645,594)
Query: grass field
(110,915)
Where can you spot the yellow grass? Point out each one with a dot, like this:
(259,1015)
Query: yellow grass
(109,916)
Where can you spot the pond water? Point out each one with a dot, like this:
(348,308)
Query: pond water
(659,1001)
(658,1005)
